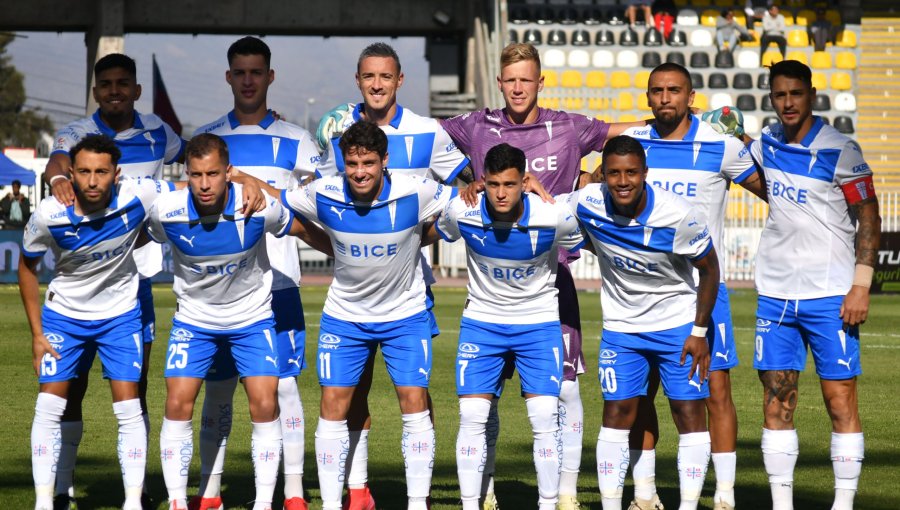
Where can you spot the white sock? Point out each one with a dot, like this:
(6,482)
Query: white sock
(491,433)
(725,464)
(358,463)
(176,447)
(571,424)
(332,445)
(847,452)
(70,439)
(612,464)
(215,427)
(417,444)
(693,460)
(132,448)
(265,447)
(543,413)
(292,430)
(643,469)
(471,444)
(780,450)
(45,444)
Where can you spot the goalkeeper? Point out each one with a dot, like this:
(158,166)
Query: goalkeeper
(693,159)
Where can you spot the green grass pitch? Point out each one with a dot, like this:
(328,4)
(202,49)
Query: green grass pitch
(98,479)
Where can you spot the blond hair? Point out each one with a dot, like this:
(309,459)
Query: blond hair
(518,52)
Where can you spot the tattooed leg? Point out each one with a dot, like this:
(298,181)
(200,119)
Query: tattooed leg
(779,398)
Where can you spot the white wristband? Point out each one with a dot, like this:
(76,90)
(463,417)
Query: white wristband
(57,177)
(862,276)
(699,331)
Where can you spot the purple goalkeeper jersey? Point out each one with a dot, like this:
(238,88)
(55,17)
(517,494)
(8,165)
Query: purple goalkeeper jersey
(553,145)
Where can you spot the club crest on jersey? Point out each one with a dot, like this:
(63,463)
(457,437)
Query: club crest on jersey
(409,140)
(276,143)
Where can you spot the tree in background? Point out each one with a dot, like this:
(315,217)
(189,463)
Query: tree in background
(19,126)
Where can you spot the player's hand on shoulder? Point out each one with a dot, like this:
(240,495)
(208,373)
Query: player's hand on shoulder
(469,194)
(698,348)
(63,191)
(855,308)
(40,347)
(533,185)
(332,124)
(253,198)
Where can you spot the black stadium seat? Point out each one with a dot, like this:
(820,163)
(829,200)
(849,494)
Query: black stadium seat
(519,14)
(652,37)
(513,36)
(762,81)
(746,103)
(628,37)
(724,59)
(697,81)
(718,81)
(556,38)
(822,103)
(677,38)
(676,57)
(651,59)
(766,105)
(616,16)
(568,16)
(843,124)
(544,15)
(768,121)
(604,38)
(534,37)
(742,81)
(825,119)
(581,38)
(699,59)
(592,16)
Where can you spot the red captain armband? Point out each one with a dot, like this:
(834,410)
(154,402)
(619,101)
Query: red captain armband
(858,190)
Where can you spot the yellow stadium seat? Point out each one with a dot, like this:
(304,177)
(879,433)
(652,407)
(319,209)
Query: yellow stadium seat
(642,103)
(805,17)
(625,101)
(841,81)
(723,3)
(771,57)
(846,39)
(549,102)
(605,117)
(819,81)
(551,79)
(799,56)
(701,102)
(641,79)
(598,103)
(708,18)
(754,42)
(573,103)
(820,60)
(571,79)
(798,38)
(596,79)
(788,18)
(620,80)
(740,18)
(627,117)
(542,102)
(845,60)
(834,16)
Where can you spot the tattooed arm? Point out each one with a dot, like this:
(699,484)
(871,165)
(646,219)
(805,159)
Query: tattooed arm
(855,308)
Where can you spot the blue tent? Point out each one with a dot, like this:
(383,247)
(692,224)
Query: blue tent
(10,171)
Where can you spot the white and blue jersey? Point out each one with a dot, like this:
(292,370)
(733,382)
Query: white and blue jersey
(700,168)
(377,277)
(646,262)
(512,267)
(416,145)
(222,276)
(282,154)
(807,248)
(146,146)
(95,275)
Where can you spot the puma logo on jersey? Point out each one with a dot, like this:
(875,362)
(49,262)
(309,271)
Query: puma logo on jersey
(692,223)
(294,361)
(136,365)
(497,131)
(74,233)
(189,241)
(773,150)
(272,360)
(424,372)
(338,212)
(723,356)
(845,363)
(479,239)
(556,380)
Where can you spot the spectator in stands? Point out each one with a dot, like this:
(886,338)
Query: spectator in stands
(754,9)
(631,12)
(773,31)
(15,209)
(821,31)
(664,13)
(728,31)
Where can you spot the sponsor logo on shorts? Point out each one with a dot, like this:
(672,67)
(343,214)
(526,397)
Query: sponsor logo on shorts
(468,351)
(608,357)
(329,341)
(763,325)
(55,340)
(181,335)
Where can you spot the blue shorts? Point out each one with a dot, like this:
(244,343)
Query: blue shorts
(429,304)
(484,348)
(117,339)
(344,348)
(192,349)
(784,328)
(148,314)
(722,349)
(626,358)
